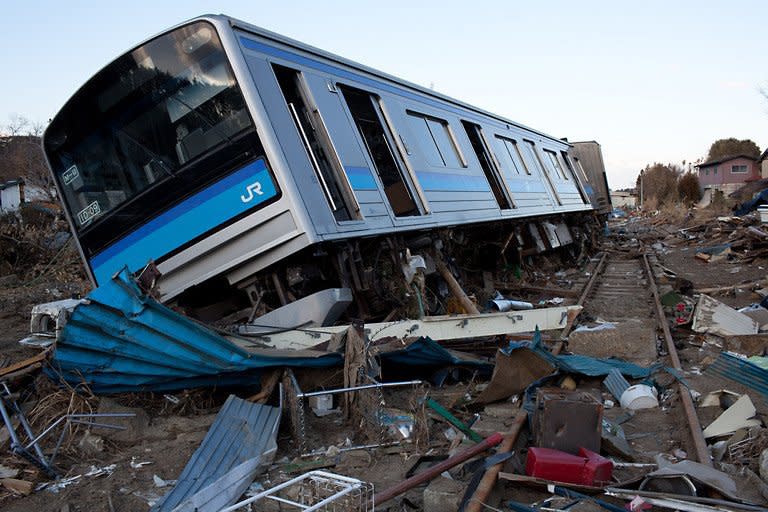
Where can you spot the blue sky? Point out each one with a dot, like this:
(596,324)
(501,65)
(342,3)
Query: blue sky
(651,81)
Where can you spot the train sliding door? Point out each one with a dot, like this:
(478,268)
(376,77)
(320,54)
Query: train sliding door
(317,142)
(380,145)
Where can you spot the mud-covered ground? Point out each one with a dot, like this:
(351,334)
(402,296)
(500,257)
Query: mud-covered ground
(172,428)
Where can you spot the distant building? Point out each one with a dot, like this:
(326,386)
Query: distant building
(728,174)
(11,195)
(623,199)
(764,164)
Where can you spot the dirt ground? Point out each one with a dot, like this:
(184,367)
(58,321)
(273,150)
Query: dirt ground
(173,427)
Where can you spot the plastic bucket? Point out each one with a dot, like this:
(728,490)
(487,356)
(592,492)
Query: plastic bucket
(639,396)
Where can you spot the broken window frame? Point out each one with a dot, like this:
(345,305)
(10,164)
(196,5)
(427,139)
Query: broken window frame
(314,136)
(490,166)
(395,148)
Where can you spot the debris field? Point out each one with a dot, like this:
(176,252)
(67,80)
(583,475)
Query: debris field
(633,379)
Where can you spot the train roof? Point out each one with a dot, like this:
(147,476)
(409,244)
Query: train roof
(268,34)
(293,43)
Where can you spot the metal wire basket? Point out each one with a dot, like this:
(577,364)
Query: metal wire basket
(316,490)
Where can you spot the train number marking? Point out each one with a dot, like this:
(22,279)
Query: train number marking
(88,212)
(70,175)
(252,190)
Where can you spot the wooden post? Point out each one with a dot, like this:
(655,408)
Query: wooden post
(485,486)
(455,287)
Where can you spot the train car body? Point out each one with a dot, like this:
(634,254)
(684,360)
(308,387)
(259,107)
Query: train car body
(588,156)
(218,150)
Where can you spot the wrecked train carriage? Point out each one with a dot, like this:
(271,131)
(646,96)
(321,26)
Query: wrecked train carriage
(254,169)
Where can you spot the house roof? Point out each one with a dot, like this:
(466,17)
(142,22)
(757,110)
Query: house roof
(728,158)
(764,156)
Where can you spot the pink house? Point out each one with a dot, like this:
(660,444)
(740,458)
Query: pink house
(729,173)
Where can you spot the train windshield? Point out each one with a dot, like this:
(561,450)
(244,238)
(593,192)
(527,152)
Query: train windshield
(144,118)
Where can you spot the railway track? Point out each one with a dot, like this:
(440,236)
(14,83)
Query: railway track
(623,288)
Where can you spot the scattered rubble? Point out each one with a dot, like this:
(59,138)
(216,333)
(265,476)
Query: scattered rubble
(585,399)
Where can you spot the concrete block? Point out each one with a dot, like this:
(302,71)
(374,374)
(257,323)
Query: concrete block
(135,427)
(443,494)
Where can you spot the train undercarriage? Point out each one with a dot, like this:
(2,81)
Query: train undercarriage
(391,277)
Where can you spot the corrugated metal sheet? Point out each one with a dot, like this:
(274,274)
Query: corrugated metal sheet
(241,440)
(741,371)
(122,340)
(616,383)
(712,316)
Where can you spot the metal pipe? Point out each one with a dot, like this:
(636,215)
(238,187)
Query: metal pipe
(8,424)
(359,388)
(491,475)
(353,448)
(702,453)
(352,484)
(631,493)
(453,420)
(435,470)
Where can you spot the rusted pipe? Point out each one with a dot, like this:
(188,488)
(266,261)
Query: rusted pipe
(702,453)
(434,471)
(485,486)
(455,287)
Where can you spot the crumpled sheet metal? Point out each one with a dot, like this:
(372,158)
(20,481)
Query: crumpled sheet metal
(241,441)
(740,370)
(122,340)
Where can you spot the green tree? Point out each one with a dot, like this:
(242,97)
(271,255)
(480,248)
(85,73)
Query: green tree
(730,147)
(688,188)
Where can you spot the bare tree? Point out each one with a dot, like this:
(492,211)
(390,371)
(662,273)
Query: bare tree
(659,182)
(21,155)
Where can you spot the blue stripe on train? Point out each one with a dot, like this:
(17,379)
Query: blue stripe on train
(198,214)
(449,182)
(361,178)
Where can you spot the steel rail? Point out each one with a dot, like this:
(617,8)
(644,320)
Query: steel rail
(702,453)
(584,294)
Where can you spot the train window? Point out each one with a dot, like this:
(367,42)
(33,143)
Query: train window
(580,180)
(318,145)
(535,159)
(436,140)
(378,141)
(510,155)
(556,164)
(488,163)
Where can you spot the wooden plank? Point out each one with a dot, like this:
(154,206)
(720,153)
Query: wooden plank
(23,364)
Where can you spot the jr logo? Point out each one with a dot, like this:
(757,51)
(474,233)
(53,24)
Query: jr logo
(252,190)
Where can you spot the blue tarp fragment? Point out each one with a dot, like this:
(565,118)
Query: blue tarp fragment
(759,199)
(122,340)
(591,366)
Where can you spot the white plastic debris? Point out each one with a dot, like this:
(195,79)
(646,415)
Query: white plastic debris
(137,465)
(160,483)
